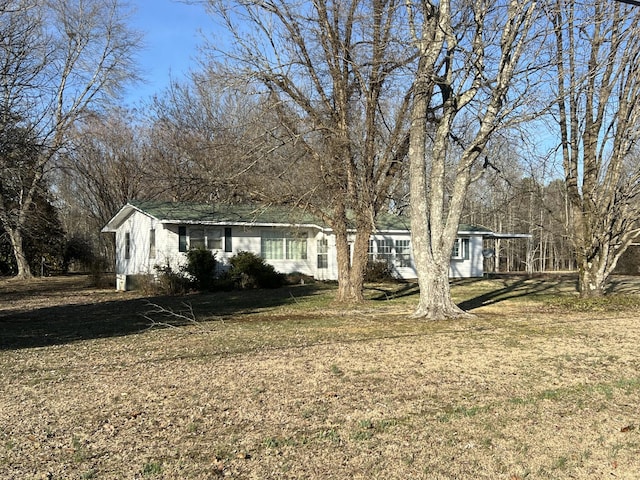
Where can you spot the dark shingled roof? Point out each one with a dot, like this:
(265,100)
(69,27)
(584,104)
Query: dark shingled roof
(184,212)
(219,213)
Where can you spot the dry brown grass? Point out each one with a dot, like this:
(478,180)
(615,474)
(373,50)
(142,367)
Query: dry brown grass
(284,384)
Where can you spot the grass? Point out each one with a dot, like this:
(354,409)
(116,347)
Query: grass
(286,384)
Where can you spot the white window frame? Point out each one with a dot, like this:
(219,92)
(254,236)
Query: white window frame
(460,249)
(152,243)
(403,252)
(214,238)
(384,247)
(207,238)
(296,246)
(197,238)
(323,253)
(372,250)
(283,245)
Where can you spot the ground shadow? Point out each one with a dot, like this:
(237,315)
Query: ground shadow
(506,287)
(510,289)
(25,327)
(394,290)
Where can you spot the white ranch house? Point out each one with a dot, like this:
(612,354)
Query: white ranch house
(151,233)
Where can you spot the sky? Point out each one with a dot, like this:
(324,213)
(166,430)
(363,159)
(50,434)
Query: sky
(171,37)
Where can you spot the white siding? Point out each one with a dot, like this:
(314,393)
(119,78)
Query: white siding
(168,254)
(248,238)
(471,267)
(137,226)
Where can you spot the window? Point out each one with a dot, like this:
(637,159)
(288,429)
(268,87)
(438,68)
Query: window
(200,237)
(460,249)
(403,253)
(385,250)
(323,253)
(214,239)
(371,252)
(228,247)
(272,245)
(208,238)
(182,239)
(278,245)
(152,243)
(127,245)
(296,247)
(197,238)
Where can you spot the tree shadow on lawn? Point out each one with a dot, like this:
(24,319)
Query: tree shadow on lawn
(503,287)
(518,287)
(60,323)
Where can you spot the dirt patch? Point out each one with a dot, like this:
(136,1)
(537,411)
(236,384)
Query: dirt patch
(298,388)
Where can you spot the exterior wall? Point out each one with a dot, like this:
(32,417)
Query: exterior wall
(399,268)
(248,238)
(469,265)
(138,227)
(473,266)
(167,252)
(330,272)
(306,266)
(243,239)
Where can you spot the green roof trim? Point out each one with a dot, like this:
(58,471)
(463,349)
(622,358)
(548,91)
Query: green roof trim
(185,212)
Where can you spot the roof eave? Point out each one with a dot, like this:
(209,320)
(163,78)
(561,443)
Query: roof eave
(122,214)
(241,224)
(507,235)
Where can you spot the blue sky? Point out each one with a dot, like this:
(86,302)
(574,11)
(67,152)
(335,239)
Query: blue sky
(171,35)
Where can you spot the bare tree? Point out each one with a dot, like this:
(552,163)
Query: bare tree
(331,72)
(470,78)
(57,59)
(598,117)
(202,137)
(105,164)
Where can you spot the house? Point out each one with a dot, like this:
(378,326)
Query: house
(152,233)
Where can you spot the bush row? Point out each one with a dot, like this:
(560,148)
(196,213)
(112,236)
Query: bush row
(203,272)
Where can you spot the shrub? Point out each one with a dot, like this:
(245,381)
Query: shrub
(202,266)
(251,271)
(78,252)
(298,278)
(378,271)
(171,282)
(97,269)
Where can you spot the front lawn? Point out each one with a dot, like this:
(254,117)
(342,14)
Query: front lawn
(285,384)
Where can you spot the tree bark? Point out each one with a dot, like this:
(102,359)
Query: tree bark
(436,205)
(598,117)
(352,264)
(435,293)
(15,237)
(431,247)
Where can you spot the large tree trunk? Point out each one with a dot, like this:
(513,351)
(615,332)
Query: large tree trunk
(351,265)
(345,292)
(435,293)
(432,240)
(15,237)
(360,255)
(350,273)
(597,254)
(598,118)
(591,278)
(436,210)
